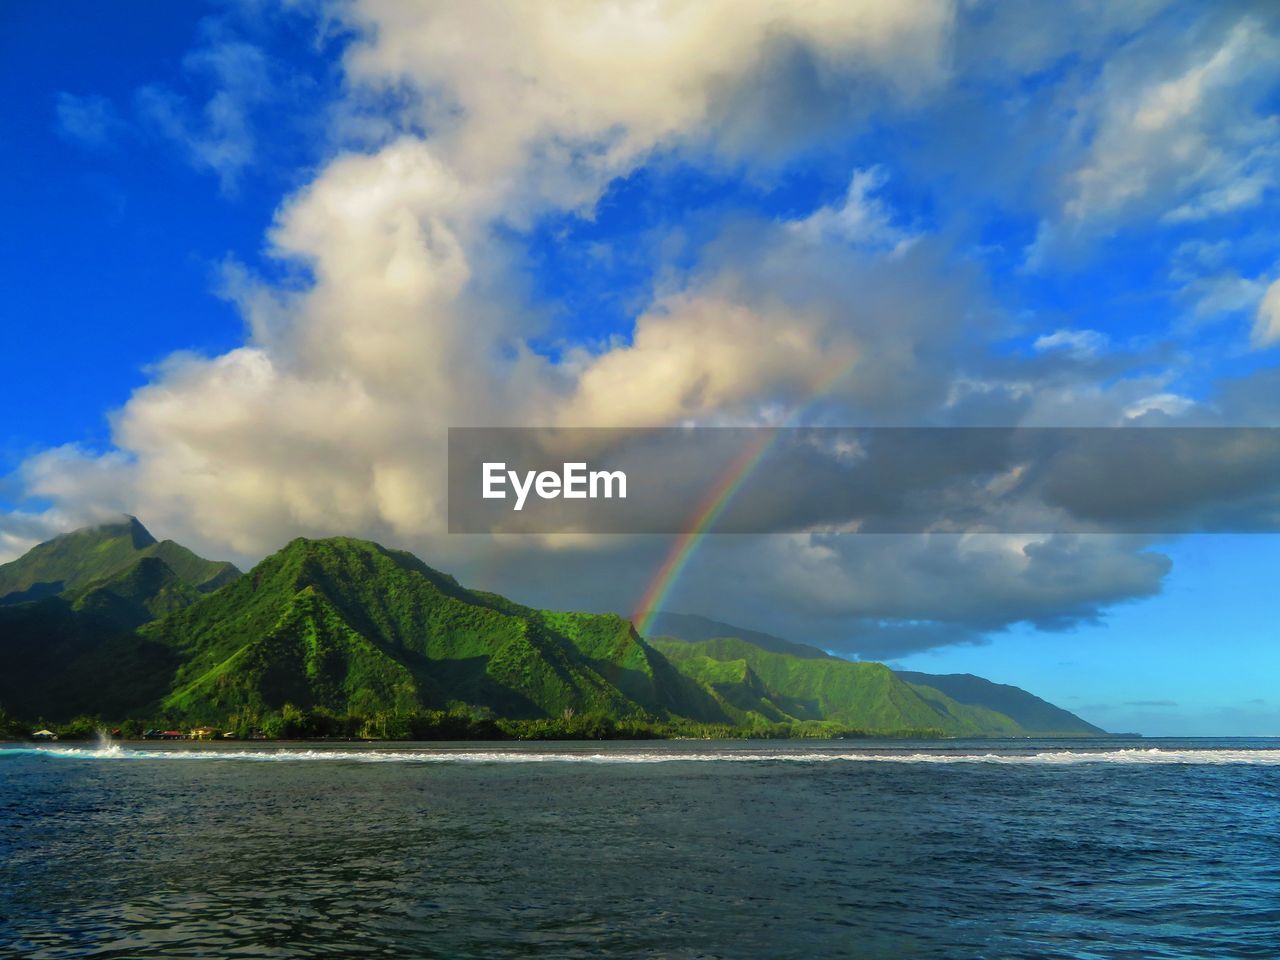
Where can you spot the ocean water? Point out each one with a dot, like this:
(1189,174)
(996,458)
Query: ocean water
(951,849)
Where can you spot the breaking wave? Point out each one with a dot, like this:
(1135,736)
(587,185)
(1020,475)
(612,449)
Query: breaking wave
(1151,756)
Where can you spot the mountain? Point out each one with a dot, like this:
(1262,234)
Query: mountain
(688,626)
(141,592)
(985,707)
(762,684)
(1026,709)
(68,608)
(60,662)
(353,627)
(347,628)
(77,560)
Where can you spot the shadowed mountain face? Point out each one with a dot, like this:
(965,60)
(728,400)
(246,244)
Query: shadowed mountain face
(142,629)
(68,609)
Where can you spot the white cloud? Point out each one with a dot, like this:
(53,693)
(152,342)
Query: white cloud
(1266,325)
(861,218)
(570,93)
(218,136)
(1178,135)
(1079,343)
(331,417)
(1223,294)
(886,595)
(696,355)
(1065,397)
(1168,404)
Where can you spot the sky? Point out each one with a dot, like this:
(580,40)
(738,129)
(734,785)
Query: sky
(258,258)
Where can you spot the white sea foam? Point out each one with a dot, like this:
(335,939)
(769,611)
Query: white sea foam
(1150,756)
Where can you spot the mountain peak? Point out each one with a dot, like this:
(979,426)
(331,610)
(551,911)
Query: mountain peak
(81,557)
(139,534)
(125,526)
(336,552)
(341,545)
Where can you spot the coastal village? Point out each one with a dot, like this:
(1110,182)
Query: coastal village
(195,733)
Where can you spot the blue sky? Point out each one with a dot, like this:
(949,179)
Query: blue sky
(1199,659)
(257,261)
(115,240)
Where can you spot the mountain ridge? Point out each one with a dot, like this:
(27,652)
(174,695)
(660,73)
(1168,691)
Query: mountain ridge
(1030,714)
(76,559)
(341,627)
(1025,708)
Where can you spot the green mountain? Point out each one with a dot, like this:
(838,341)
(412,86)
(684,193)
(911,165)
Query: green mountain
(760,685)
(342,628)
(139,593)
(77,560)
(965,703)
(352,627)
(68,609)
(1026,709)
(688,626)
(61,662)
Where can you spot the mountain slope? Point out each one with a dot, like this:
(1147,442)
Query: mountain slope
(59,662)
(68,613)
(1029,711)
(358,630)
(867,696)
(147,589)
(75,560)
(688,626)
(1001,708)
(353,627)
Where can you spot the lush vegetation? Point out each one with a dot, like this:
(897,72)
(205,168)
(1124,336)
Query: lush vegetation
(345,638)
(12,728)
(78,559)
(458,723)
(686,626)
(764,685)
(1025,709)
(354,628)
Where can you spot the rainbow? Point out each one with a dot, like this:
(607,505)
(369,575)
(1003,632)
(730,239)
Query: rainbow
(714,502)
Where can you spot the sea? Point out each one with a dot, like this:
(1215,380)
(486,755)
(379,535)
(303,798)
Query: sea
(1142,849)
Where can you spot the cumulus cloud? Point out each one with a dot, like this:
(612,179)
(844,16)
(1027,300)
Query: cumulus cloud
(332,417)
(399,315)
(881,596)
(570,93)
(694,356)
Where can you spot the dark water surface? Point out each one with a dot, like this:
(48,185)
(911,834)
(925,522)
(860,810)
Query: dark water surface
(994,849)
